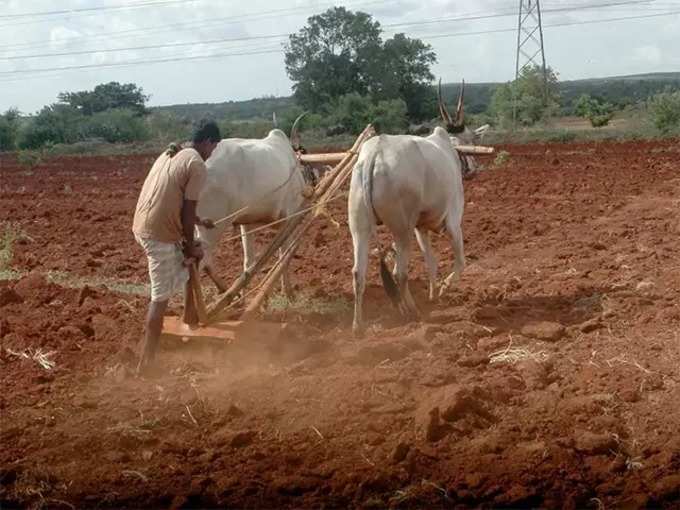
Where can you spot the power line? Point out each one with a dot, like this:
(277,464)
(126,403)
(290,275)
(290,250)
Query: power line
(260,15)
(220,55)
(552,25)
(148,47)
(279,36)
(137,62)
(65,17)
(499,15)
(186,55)
(98,8)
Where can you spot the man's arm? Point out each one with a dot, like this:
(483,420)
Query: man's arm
(188,223)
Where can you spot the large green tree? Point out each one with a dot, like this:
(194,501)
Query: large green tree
(107,96)
(341,52)
(405,73)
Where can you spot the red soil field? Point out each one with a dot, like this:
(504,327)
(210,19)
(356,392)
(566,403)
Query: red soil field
(548,377)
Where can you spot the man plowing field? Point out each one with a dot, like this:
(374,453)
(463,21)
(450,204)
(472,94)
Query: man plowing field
(163,225)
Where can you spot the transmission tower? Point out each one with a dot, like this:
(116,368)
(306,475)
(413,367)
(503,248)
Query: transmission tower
(530,49)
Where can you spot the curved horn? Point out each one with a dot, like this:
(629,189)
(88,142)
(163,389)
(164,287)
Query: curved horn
(442,107)
(294,135)
(274,121)
(460,109)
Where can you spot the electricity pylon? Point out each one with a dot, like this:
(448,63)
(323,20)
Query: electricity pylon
(530,49)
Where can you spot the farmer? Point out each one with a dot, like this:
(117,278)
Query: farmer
(164,226)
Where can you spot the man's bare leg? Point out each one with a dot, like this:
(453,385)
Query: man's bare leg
(152,334)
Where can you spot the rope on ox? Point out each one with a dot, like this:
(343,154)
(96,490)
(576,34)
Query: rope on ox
(285,218)
(292,232)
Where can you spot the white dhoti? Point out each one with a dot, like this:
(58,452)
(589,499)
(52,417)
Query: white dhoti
(166,269)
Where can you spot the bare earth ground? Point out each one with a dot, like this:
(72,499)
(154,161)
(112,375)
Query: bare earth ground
(547,378)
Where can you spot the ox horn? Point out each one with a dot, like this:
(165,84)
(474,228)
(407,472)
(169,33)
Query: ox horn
(274,121)
(460,109)
(294,135)
(442,107)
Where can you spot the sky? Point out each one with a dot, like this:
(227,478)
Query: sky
(230,50)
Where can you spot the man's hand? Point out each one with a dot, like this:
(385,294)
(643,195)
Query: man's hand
(205,223)
(193,254)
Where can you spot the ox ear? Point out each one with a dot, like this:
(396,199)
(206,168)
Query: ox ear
(481,131)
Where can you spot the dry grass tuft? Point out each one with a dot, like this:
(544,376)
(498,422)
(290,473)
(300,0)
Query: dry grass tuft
(41,357)
(514,355)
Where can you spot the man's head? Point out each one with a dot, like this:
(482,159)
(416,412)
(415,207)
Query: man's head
(205,138)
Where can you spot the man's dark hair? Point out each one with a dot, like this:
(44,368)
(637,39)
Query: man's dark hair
(206,130)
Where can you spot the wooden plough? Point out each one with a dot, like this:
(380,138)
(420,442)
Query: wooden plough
(212,323)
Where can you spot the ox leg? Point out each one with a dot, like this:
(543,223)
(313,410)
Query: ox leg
(423,238)
(403,249)
(456,233)
(361,239)
(359,281)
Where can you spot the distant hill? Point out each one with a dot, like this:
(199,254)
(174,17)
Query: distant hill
(261,108)
(619,90)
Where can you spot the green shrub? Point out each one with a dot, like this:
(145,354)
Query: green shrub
(57,123)
(9,126)
(352,112)
(561,136)
(597,111)
(664,109)
(30,158)
(389,116)
(246,129)
(114,126)
(167,127)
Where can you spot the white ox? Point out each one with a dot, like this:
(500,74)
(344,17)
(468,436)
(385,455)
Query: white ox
(262,179)
(408,183)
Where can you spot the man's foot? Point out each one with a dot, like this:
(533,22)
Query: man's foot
(190,327)
(146,366)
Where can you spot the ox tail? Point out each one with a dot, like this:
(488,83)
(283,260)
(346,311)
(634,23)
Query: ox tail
(367,177)
(390,286)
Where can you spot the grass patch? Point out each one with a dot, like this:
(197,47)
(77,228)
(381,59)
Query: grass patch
(306,304)
(68,280)
(501,158)
(10,274)
(10,233)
